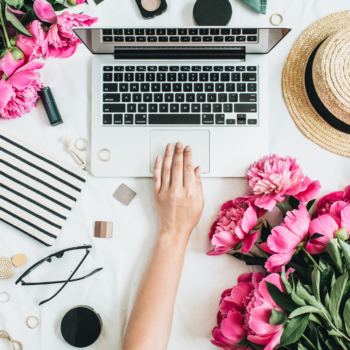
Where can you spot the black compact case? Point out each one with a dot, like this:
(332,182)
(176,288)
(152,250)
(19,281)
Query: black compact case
(151,14)
(212,12)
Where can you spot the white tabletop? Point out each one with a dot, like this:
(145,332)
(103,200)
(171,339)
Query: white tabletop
(124,258)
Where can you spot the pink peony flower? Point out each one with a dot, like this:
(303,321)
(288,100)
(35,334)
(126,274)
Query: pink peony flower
(251,299)
(273,177)
(287,238)
(334,224)
(233,227)
(19,93)
(325,204)
(60,40)
(32,47)
(13,59)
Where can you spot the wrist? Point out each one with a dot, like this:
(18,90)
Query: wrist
(174,237)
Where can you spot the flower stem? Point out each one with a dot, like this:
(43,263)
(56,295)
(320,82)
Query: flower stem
(258,246)
(4,28)
(308,341)
(309,255)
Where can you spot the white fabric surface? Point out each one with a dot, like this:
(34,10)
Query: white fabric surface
(125,257)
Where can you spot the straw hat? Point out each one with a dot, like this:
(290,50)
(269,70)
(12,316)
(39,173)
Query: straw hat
(316,83)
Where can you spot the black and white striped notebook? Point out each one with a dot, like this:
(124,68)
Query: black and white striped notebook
(37,190)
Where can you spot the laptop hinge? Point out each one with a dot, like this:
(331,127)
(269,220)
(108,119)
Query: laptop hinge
(171,53)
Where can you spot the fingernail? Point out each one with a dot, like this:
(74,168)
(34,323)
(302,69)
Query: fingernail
(199,171)
(169,147)
(187,149)
(158,159)
(178,145)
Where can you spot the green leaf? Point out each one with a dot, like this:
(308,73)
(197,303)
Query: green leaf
(284,207)
(335,333)
(333,251)
(316,235)
(278,317)
(265,231)
(316,277)
(281,299)
(326,301)
(346,316)
(28,18)
(294,203)
(346,296)
(286,282)
(298,268)
(16,23)
(255,346)
(250,260)
(346,253)
(331,345)
(15,3)
(313,318)
(294,330)
(301,347)
(58,6)
(303,310)
(326,279)
(310,207)
(336,297)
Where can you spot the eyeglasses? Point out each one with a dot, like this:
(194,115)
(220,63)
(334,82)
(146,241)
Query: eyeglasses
(58,255)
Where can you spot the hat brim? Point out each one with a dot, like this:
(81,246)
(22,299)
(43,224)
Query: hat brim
(304,114)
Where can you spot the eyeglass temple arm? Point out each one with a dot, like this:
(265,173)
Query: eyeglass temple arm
(23,283)
(70,277)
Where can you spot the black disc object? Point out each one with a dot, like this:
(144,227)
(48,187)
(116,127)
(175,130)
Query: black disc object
(212,12)
(81,326)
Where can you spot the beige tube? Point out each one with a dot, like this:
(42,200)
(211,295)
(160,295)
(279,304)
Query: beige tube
(150,5)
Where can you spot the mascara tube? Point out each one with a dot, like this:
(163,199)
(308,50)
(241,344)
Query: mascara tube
(50,106)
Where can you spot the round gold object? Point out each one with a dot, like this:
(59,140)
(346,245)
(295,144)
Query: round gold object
(85,144)
(37,324)
(19,260)
(4,299)
(6,267)
(305,116)
(105,159)
(272,19)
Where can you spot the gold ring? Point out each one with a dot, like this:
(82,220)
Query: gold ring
(105,150)
(277,15)
(37,319)
(8,297)
(85,145)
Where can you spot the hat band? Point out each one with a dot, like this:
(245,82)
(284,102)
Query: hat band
(316,102)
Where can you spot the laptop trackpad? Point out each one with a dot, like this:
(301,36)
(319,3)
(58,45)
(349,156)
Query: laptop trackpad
(198,140)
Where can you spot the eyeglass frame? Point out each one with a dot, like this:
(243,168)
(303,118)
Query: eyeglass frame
(58,255)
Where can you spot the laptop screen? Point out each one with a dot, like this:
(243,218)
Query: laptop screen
(245,40)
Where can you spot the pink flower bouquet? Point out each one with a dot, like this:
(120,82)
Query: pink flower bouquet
(26,34)
(302,300)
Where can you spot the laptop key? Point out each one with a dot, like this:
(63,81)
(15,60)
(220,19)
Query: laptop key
(110,87)
(155,87)
(163,108)
(152,39)
(193,77)
(229,38)
(196,107)
(145,87)
(182,77)
(169,97)
(123,87)
(233,97)
(203,31)
(107,119)
(219,87)
(141,39)
(252,38)
(161,76)
(129,38)
(240,68)
(107,39)
(240,38)
(107,31)
(163,39)
(217,107)
(250,31)
(200,97)
(147,97)
(179,97)
(209,87)
(207,38)
(222,97)
(230,121)
(163,69)
(114,108)
(118,77)
(174,108)
(248,76)
(214,31)
(131,108)
(174,39)
(206,107)
(177,87)
(161,32)
(252,87)
(128,119)
(207,68)
(247,97)
(171,76)
(118,38)
(193,31)
(230,87)
(246,108)
(228,108)
(182,31)
(107,77)
(107,68)
(150,31)
(211,97)
(152,68)
(185,108)
(119,68)
(203,77)
(225,76)
(225,31)
(168,119)
(150,77)
(196,39)
(134,87)
(152,108)
(190,97)
(171,31)
(118,118)
(166,87)
(198,87)
(251,69)
(174,69)
(252,121)
(126,97)
(136,97)
(129,77)
(218,38)
(219,118)
(241,87)
(188,87)
(141,119)
(139,31)
(128,32)
(141,68)
(140,77)
(214,76)
(207,118)
(158,97)
(185,38)
(142,107)
(236,77)
(111,97)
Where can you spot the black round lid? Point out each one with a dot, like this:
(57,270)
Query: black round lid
(212,12)
(81,326)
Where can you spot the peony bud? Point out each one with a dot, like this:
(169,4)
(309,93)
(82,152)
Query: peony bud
(342,234)
(72,2)
(13,41)
(17,54)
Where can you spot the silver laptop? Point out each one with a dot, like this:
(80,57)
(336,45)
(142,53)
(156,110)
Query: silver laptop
(203,86)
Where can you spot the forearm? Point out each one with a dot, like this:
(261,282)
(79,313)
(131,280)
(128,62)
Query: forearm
(151,319)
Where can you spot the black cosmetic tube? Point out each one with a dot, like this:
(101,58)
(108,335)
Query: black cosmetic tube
(50,106)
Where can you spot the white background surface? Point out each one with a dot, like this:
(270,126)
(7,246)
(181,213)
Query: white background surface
(125,257)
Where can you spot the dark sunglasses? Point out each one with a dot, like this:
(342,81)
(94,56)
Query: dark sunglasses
(58,255)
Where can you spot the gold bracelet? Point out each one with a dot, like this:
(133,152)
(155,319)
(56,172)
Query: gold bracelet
(277,15)
(105,159)
(85,144)
(27,322)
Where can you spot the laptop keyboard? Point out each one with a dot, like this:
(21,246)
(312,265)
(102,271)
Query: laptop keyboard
(180,36)
(220,95)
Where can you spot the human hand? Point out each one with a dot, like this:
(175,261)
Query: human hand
(178,192)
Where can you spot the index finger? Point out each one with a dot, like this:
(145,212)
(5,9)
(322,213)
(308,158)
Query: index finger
(189,175)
